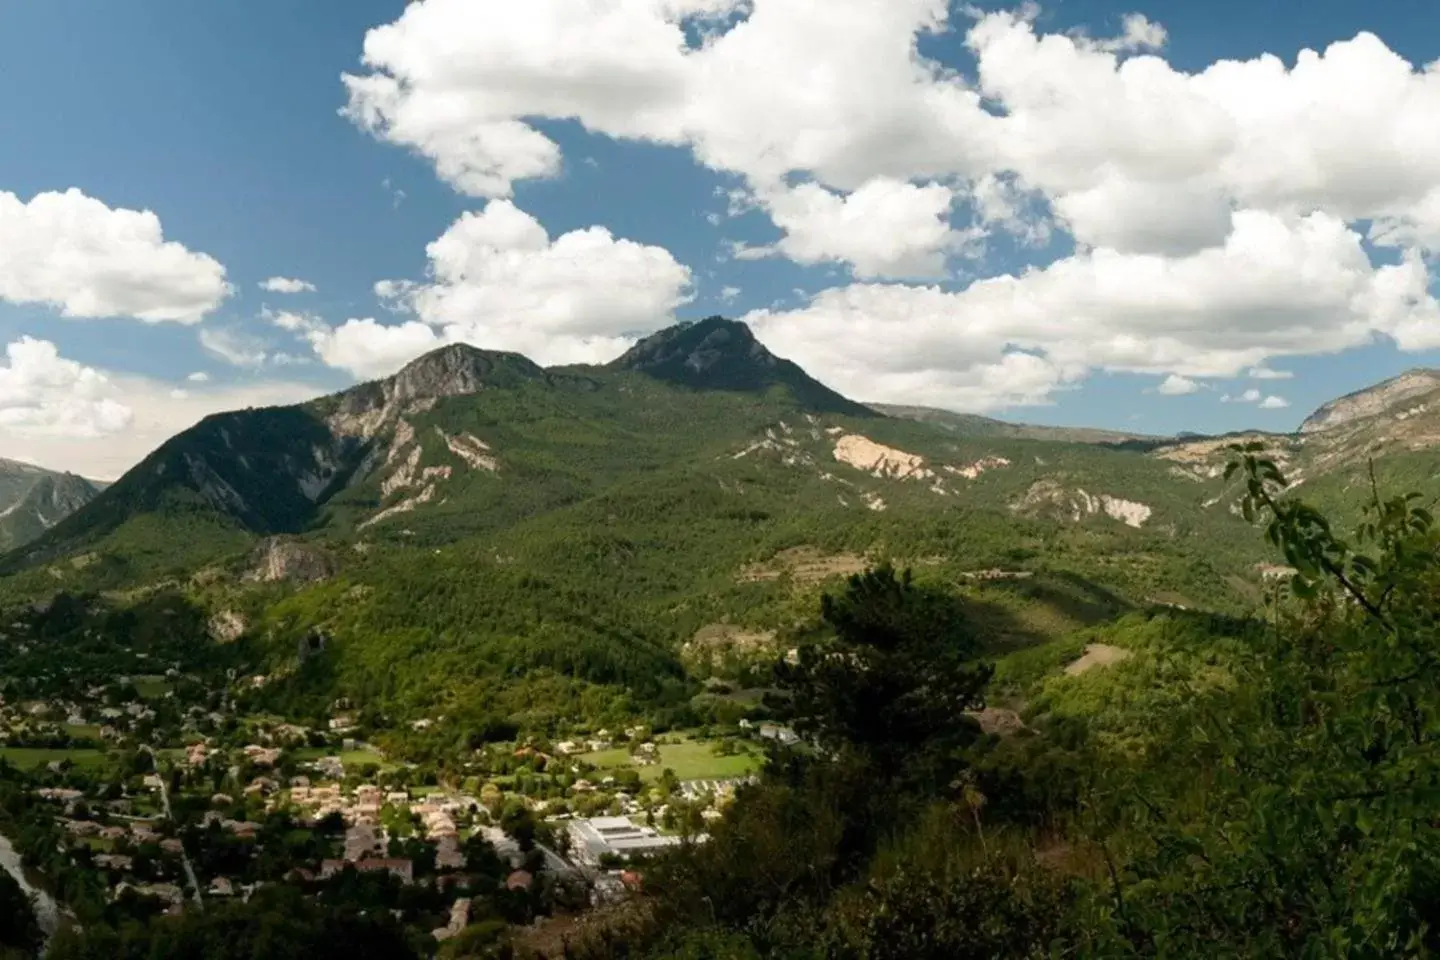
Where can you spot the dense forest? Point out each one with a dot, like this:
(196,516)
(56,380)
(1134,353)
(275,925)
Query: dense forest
(1233,787)
(1271,790)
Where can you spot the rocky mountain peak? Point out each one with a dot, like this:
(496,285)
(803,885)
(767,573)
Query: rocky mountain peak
(458,370)
(61,494)
(1373,401)
(720,354)
(44,501)
(699,348)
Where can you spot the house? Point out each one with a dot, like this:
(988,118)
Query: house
(448,855)
(783,735)
(172,845)
(520,880)
(332,767)
(263,756)
(119,863)
(222,887)
(360,841)
(59,794)
(403,869)
(261,785)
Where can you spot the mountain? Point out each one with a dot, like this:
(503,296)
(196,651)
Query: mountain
(1384,439)
(721,354)
(479,533)
(974,425)
(1408,393)
(271,471)
(32,500)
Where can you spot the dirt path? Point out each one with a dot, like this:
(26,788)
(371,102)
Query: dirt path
(1096,655)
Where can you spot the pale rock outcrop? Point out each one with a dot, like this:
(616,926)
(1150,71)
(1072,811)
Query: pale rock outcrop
(227,626)
(1128,512)
(983,465)
(279,559)
(404,436)
(472,450)
(404,506)
(1078,504)
(878,460)
(404,476)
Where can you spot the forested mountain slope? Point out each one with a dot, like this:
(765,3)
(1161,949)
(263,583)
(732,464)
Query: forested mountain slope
(477,526)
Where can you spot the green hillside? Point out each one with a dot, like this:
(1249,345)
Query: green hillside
(585,541)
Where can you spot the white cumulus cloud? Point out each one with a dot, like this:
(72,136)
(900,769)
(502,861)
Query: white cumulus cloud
(287,285)
(42,393)
(1274,403)
(369,349)
(72,252)
(68,416)
(1177,386)
(887,228)
(1216,212)
(1279,286)
(498,280)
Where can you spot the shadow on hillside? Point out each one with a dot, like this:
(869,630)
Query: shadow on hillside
(1013,614)
(1208,622)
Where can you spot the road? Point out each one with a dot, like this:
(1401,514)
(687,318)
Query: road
(554,862)
(165,805)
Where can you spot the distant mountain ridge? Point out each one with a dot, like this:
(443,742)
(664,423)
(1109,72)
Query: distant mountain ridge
(975,425)
(1413,385)
(32,500)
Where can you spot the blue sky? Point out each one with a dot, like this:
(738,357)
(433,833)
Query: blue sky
(225,121)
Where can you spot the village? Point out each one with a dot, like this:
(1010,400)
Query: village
(140,780)
(160,803)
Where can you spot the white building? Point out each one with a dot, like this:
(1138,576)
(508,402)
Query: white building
(594,838)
